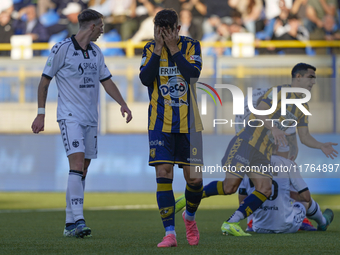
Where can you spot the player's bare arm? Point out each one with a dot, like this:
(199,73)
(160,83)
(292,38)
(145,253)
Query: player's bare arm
(279,135)
(301,197)
(171,38)
(111,89)
(39,121)
(158,40)
(293,146)
(307,139)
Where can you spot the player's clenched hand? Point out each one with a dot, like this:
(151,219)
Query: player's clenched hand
(38,123)
(124,109)
(279,137)
(329,151)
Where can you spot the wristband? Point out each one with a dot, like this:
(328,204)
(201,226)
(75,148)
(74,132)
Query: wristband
(41,110)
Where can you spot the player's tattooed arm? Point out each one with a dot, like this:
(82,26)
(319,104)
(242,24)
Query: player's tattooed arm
(293,146)
(39,122)
(42,91)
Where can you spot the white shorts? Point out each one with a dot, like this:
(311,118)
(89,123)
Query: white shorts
(294,221)
(79,138)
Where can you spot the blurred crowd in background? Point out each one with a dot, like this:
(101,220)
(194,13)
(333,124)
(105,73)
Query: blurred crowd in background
(205,20)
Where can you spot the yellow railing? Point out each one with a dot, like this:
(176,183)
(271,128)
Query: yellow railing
(130,46)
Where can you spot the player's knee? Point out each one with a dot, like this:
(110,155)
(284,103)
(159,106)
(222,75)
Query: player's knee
(195,182)
(229,189)
(78,166)
(266,190)
(164,171)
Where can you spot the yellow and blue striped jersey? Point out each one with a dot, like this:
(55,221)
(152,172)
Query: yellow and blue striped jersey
(260,137)
(173,101)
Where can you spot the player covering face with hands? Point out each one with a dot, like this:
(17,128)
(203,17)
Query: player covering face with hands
(78,67)
(170,66)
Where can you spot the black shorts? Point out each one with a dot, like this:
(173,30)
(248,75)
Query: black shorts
(175,148)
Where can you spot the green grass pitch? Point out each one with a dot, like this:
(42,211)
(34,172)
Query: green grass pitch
(32,223)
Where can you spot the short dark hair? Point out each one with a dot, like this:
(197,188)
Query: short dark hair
(88,15)
(167,18)
(301,68)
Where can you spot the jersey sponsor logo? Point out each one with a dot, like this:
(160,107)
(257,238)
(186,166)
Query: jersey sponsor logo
(49,61)
(88,80)
(269,208)
(196,58)
(169,71)
(173,103)
(83,86)
(75,54)
(82,68)
(242,159)
(176,87)
(156,142)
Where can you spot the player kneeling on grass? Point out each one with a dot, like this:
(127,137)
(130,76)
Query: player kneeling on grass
(280,213)
(78,65)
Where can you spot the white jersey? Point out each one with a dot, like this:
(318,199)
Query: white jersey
(276,212)
(257,93)
(78,73)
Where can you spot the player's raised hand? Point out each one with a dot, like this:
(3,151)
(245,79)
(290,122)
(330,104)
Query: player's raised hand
(125,109)
(38,123)
(158,40)
(170,37)
(279,137)
(329,151)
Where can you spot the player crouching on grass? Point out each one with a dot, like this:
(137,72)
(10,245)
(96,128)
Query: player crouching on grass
(279,213)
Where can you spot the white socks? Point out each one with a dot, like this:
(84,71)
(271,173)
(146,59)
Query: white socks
(74,197)
(69,214)
(236,217)
(315,213)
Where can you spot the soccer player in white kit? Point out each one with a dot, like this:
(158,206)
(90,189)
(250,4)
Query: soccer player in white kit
(78,67)
(279,213)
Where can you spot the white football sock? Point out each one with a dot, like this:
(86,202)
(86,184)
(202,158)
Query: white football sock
(69,214)
(315,213)
(76,194)
(236,217)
